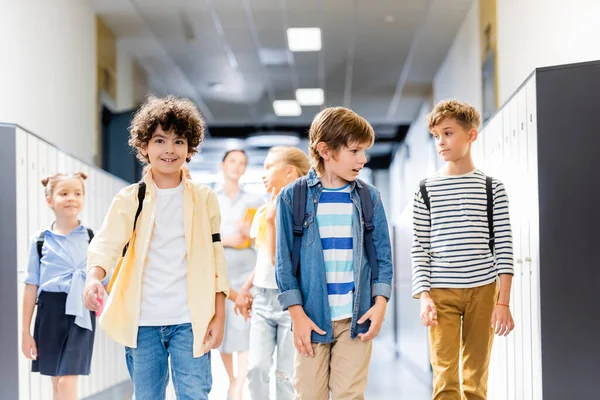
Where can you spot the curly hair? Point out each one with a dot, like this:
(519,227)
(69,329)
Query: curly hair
(173,114)
(464,114)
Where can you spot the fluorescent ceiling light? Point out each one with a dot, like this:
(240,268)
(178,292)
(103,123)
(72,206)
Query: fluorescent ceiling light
(304,39)
(270,140)
(310,97)
(287,108)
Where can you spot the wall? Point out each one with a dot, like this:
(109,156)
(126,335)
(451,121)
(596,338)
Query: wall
(537,33)
(460,74)
(48,73)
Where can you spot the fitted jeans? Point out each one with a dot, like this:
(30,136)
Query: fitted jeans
(270,328)
(148,364)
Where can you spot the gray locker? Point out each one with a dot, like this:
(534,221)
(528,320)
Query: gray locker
(550,147)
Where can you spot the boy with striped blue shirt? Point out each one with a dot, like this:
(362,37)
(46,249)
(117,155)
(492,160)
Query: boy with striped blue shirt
(336,297)
(462,248)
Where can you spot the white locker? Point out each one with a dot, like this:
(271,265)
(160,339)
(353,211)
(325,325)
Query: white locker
(23,241)
(36,159)
(536,351)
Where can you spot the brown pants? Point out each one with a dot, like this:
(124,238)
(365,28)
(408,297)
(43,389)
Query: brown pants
(464,329)
(341,367)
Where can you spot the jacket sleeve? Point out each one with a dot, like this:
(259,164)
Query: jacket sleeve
(383,248)
(286,281)
(116,230)
(214,214)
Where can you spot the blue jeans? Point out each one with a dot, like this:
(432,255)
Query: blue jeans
(270,327)
(148,364)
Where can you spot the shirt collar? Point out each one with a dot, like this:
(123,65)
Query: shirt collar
(312,179)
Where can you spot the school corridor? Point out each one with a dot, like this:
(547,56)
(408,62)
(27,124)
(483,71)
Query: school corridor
(73,74)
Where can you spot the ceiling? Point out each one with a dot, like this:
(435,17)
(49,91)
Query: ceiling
(378,57)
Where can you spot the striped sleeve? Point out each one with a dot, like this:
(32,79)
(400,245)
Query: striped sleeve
(502,231)
(421,246)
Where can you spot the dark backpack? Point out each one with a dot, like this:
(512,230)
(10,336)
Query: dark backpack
(141,195)
(490,207)
(299,212)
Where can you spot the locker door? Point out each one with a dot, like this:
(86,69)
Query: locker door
(23,243)
(513,349)
(36,381)
(525,245)
(45,213)
(84,216)
(536,349)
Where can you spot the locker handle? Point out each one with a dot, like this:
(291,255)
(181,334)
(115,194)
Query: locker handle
(528,259)
(519,261)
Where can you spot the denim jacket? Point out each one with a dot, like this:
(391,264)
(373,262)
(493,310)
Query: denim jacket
(310,289)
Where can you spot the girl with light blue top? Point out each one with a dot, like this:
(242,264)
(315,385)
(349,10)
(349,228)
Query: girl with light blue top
(63,339)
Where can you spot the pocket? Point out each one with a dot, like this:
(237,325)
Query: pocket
(308,236)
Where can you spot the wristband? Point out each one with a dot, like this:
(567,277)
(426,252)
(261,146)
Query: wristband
(504,305)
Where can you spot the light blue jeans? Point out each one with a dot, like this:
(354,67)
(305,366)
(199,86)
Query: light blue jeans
(270,328)
(148,364)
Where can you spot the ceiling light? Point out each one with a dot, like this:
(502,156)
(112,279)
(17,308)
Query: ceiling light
(268,139)
(304,39)
(310,97)
(287,108)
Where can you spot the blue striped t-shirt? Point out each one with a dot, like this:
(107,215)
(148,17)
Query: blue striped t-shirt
(334,218)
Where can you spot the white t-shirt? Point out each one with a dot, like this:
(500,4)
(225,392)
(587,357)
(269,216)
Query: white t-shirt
(164,282)
(264,275)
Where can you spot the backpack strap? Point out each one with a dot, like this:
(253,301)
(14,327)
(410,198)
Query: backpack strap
(40,243)
(366,204)
(141,195)
(42,237)
(299,210)
(424,194)
(490,211)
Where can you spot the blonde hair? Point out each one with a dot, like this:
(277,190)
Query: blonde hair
(465,114)
(337,127)
(50,182)
(294,157)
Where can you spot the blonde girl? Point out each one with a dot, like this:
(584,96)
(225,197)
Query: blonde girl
(270,325)
(63,338)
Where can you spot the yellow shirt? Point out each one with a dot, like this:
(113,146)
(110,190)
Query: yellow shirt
(207,270)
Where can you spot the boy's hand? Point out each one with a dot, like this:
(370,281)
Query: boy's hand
(93,291)
(502,321)
(303,327)
(29,348)
(428,311)
(376,314)
(214,333)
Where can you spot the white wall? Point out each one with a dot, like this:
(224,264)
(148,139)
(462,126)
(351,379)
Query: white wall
(460,74)
(537,33)
(48,71)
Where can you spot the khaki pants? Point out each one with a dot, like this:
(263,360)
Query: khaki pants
(341,367)
(469,309)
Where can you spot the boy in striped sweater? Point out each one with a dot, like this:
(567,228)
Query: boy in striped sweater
(462,265)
